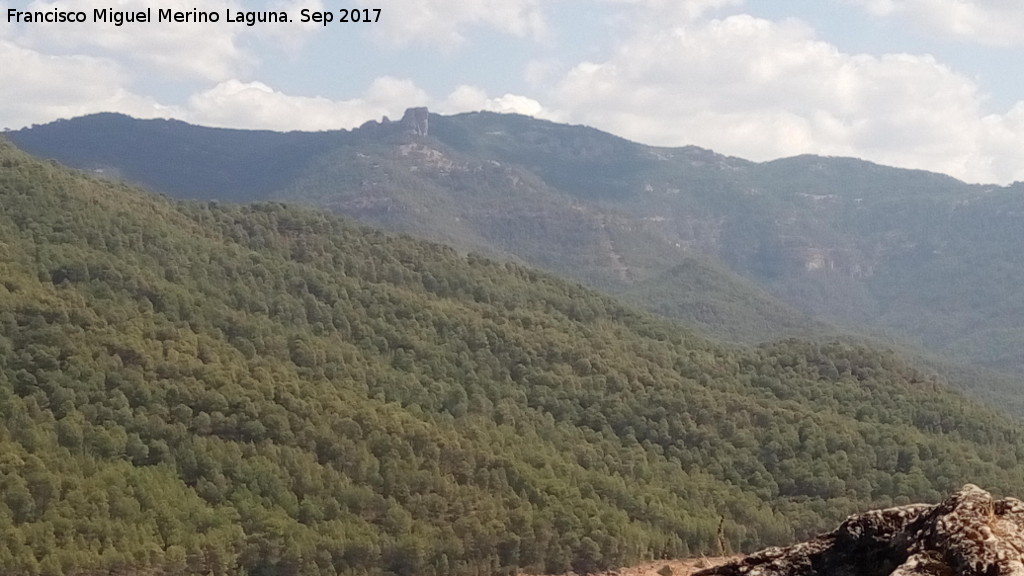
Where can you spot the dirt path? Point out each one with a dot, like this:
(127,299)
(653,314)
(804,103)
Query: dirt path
(678,567)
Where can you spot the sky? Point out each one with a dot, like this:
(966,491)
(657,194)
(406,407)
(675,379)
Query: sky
(928,84)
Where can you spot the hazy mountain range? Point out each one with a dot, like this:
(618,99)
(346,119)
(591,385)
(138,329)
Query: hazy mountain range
(746,251)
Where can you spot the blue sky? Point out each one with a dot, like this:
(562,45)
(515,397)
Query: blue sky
(931,84)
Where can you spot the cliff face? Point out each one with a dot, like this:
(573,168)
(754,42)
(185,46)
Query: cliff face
(970,533)
(416,121)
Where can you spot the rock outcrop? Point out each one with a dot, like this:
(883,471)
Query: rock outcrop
(415,121)
(968,534)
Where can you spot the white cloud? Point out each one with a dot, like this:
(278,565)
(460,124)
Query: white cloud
(238,104)
(741,85)
(760,89)
(1003,141)
(200,50)
(296,33)
(990,22)
(197,50)
(471,98)
(443,23)
(679,9)
(38,88)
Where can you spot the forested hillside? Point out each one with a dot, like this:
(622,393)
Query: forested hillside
(908,254)
(195,388)
(506,186)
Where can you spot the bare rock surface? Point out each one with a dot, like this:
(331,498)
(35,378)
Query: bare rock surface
(969,534)
(415,121)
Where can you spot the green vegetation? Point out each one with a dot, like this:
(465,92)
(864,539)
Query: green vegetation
(199,388)
(904,254)
(505,186)
(177,158)
(722,304)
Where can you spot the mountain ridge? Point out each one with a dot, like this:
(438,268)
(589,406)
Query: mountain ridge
(844,241)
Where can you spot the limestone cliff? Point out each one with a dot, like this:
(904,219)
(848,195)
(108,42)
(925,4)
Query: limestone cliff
(415,121)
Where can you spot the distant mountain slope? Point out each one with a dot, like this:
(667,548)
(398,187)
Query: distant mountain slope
(721,305)
(177,158)
(391,175)
(264,390)
(909,253)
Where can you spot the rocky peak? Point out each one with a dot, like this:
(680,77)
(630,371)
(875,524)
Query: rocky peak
(970,533)
(415,121)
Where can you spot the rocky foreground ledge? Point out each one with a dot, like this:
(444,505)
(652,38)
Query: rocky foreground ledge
(969,534)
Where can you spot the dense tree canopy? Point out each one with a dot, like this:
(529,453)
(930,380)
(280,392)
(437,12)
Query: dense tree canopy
(200,388)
